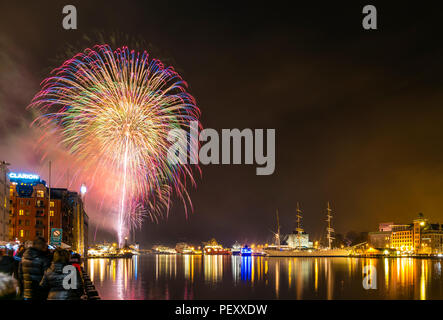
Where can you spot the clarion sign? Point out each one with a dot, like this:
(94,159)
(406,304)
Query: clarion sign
(27,176)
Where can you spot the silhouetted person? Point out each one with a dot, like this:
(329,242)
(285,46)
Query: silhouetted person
(17,258)
(34,263)
(54,277)
(7,262)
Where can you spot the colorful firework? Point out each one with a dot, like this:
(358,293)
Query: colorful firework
(113,111)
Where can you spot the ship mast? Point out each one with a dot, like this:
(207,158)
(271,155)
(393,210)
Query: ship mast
(298,229)
(329,229)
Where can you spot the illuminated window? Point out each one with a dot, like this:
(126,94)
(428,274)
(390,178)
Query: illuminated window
(40,193)
(20,212)
(51,213)
(21,233)
(52,204)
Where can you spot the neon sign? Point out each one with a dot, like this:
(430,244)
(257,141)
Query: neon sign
(25,176)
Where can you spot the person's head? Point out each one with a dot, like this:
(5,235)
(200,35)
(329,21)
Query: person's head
(39,243)
(28,244)
(61,256)
(75,258)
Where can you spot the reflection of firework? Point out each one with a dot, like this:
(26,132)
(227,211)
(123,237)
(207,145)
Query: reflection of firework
(113,111)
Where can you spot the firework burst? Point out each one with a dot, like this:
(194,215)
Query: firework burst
(113,111)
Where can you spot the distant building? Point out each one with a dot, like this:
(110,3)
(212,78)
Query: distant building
(420,237)
(402,237)
(382,238)
(379,239)
(385,226)
(4,202)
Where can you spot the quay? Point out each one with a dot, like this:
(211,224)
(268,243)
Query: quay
(89,288)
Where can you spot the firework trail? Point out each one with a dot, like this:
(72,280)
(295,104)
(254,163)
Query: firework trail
(113,110)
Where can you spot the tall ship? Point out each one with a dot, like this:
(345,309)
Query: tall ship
(297,243)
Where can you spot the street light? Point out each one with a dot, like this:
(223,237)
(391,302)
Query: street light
(80,221)
(83,189)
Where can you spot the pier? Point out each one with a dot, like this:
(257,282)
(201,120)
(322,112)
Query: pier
(89,288)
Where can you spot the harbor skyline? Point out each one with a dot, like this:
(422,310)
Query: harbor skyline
(372,154)
(234,159)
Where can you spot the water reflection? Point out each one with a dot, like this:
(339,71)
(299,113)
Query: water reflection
(222,277)
(213,268)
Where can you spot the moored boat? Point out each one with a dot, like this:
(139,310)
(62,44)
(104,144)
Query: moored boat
(212,247)
(236,249)
(246,251)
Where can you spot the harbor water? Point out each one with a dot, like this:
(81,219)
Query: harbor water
(235,277)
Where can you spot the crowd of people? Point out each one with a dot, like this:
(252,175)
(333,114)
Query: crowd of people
(34,272)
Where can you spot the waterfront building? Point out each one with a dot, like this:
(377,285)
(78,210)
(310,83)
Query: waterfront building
(402,237)
(74,220)
(420,237)
(4,202)
(30,204)
(432,240)
(385,226)
(379,239)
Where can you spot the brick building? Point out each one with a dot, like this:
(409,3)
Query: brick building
(29,208)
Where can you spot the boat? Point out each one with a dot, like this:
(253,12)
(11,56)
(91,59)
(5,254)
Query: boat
(184,248)
(308,253)
(246,251)
(236,249)
(163,250)
(212,248)
(125,252)
(300,250)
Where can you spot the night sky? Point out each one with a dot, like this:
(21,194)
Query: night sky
(358,114)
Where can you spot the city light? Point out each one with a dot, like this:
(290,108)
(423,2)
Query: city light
(83,189)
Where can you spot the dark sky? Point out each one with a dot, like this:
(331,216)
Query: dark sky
(358,114)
